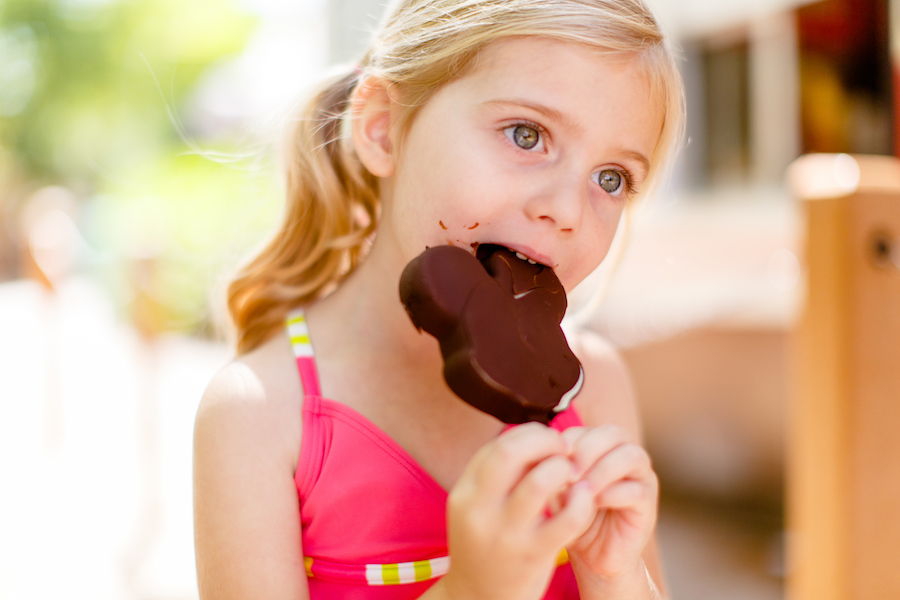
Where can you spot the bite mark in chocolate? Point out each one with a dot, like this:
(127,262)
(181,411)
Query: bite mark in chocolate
(497,320)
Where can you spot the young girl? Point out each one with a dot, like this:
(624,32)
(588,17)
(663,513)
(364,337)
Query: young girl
(331,460)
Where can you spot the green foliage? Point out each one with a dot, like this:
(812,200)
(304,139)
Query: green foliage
(92,67)
(196,217)
(92,95)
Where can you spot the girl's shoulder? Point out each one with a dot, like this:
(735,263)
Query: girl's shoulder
(246,443)
(257,398)
(608,394)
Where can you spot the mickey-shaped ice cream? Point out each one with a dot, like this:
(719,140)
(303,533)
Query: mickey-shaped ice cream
(496,317)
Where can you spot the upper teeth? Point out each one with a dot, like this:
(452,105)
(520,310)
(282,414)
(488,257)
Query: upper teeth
(523,257)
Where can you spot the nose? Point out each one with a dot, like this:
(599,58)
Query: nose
(559,205)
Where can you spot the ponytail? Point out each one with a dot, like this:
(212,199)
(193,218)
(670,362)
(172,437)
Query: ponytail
(330,214)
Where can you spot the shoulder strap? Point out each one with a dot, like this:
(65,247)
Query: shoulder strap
(298,332)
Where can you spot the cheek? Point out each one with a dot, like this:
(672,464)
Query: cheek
(452,166)
(459,193)
(432,177)
(595,249)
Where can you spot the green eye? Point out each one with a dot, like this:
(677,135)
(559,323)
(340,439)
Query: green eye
(611,181)
(525,137)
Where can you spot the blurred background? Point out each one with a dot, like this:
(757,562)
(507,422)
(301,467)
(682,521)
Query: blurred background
(138,165)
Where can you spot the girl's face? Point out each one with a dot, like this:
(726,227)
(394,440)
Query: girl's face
(538,147)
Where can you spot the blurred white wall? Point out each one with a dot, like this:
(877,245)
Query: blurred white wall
(350,23)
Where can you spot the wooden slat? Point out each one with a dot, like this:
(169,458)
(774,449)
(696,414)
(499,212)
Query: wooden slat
(844,440)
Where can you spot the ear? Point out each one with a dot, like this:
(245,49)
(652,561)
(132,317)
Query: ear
(371,112)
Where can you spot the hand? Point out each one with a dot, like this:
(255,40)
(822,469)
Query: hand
(502,542)
(625,491)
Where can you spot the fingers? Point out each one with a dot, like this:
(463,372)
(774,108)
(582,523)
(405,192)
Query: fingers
(524,470)
(498,507)
(539,488)
(623,494)
(572,520)
(588,445)
(495,510)
(619,470)
(627,461)
(500,464)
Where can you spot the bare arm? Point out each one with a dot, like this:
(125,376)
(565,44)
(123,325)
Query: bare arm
(246,517)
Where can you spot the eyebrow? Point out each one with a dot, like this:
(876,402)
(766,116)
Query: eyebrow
(548,112)
(559,117)
(638,157)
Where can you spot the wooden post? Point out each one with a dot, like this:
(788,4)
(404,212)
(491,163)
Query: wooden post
(843,506)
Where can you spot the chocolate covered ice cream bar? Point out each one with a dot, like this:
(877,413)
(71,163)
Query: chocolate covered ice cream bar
(497,319)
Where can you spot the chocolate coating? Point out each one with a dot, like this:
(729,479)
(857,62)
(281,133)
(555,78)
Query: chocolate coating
(496,318)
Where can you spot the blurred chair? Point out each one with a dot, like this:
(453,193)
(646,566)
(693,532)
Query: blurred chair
(843,447)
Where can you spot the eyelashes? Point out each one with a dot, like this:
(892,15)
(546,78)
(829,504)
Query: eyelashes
(529,136)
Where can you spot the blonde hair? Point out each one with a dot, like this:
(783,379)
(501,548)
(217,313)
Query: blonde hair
(333,201)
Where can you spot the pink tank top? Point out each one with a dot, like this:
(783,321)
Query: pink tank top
(373,520)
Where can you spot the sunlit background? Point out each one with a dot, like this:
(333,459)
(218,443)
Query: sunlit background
(139,163)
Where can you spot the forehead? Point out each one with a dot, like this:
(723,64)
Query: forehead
(580,82)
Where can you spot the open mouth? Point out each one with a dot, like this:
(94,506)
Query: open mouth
(483,251)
